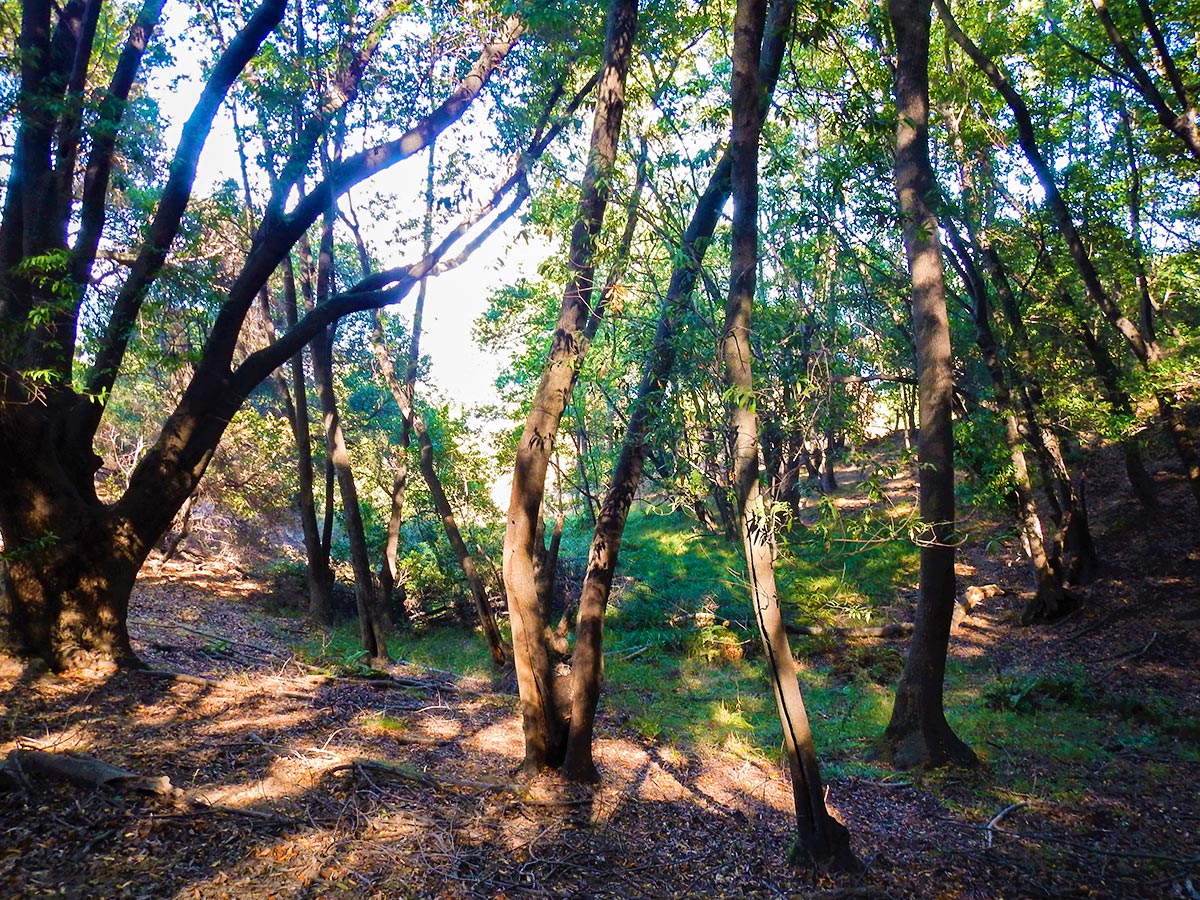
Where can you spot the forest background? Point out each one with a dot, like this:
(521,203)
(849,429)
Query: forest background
(970,229)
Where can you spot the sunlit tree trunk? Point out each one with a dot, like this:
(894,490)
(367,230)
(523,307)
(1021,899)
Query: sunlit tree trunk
(543,719)
(820,840)
(918,734)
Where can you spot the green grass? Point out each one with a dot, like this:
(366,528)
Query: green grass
(445,647)
(684,669)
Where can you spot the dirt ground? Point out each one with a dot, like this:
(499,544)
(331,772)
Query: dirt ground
(284,784)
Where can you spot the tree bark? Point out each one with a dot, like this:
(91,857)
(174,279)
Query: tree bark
(918,734)
(820,840)
(1050,601)
(543,719)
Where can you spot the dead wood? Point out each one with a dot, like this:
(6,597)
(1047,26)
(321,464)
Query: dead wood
(233,642)
(81,769)
(1000,816)
(408,773)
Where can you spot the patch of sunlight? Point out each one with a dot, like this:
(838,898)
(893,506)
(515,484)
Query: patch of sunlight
(380,723)
(441,727)
(259,720)
(745,785)
(503,738)
(672,756)
(741,747)
(286,777)
(76,738)
(727,716)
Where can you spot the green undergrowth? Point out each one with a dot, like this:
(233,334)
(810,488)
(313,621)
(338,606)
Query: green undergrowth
(445,648)
(684,669)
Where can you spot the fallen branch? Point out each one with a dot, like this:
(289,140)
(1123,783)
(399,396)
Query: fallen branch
(1100,851)
(1126,655)
(628,654)
(407,773)
(233,642)
(88,771)
(81,769)
(1000,817)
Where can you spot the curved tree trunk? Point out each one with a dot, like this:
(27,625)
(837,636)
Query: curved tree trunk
(543,719)
(820,840)
(918,734)
(68,590)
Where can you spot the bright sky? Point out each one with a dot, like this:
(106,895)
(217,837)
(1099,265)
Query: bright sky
(459,369)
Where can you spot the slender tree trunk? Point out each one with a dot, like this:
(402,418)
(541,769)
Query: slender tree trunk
(544,724)
(1050,600)
(372,621)
(1147,352)
(318,573)
(820,840)
(389,571)
(403,397)
(918,734)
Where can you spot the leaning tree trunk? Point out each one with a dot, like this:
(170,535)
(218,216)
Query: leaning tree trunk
(586,660)
(1050,600)
(402,393)
(820,839)
(372,621)
(918,734)
(544,724)
(69,590)
(1147,352)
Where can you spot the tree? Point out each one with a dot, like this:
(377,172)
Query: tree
(918,734)
(1144,348)
(587,656)
(820,840)
(72,559)
(542,716)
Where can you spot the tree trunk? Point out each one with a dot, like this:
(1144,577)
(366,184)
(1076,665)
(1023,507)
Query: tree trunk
(403,397)
(389,570)
(918,734)
(71,563)
(1050,600)
(76,555)
(544,724)
(1147,352)
(372,621)
(820,840)
(318,574)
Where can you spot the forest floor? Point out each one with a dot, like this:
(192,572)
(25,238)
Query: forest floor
(285,783)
